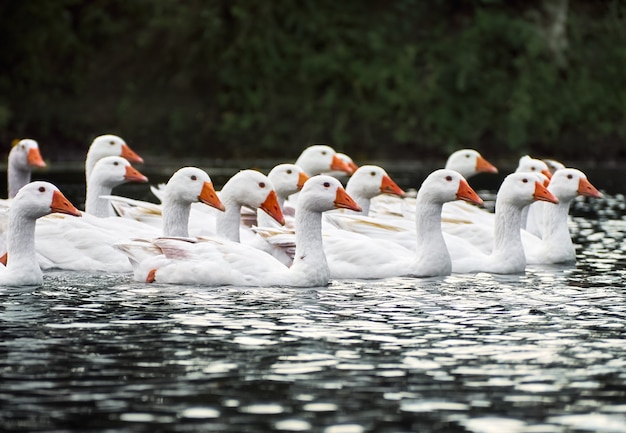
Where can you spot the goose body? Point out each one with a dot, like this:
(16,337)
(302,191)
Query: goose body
(220,262)
(32,201)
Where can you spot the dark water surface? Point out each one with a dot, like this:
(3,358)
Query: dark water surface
(541,352)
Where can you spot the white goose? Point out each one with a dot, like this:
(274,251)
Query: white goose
(352,257)
(22,158)
(554,165)
(87,245)
(287,179)
(342,175)
(33,201)
(369,181)
(187,186)
(555,243)
(215,262)
(108,145)
(527,164)
(108,173)
(517,191)
(469,162)
(320,158)
(247,188)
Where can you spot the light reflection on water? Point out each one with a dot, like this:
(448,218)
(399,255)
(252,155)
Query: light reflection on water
(541,352)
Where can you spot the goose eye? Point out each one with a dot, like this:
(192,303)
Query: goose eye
(42,189)
(373,173)
(289,171)
(326,184)
(111,143)
(116,163)
(193,177)
(532,168)
(569,176)
(323,152)
(449,178)
(525,180)
(467,156)
(262,184)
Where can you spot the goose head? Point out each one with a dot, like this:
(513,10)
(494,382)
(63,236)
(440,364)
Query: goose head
(108,145)
(469,162)
(320,158)
(39,198)
(349,162)
(25,154)
(521,189)
(287,179)
(112,171)
(252,189)
(189,185)
(554,165)
(531,165)
(446,185)
(371,180)
(567,183)
(321,193)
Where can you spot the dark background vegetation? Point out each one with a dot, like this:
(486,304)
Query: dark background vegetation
(403,79)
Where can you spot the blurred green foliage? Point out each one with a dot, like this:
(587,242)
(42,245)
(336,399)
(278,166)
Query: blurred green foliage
(377,79)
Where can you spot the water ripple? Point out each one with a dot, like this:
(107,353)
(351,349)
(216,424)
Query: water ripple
(539,352)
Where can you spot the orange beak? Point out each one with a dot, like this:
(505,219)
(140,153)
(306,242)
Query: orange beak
(133,175)
(465,192)
(34,158)
(484,166)
(388,186)
(587,189)
(272,208)
(302,177)
(542,194)
(340,165)
(547,174)
(209,196)
(344,201)
(130,156)
(62,205)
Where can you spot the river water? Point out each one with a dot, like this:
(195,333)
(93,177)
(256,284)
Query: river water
(540,352)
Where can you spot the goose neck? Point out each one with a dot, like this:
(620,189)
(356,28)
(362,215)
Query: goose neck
(555,220)
(20,240)
(309,245)
(175,218)
(430,241)
(94,204)
(507,237)
(17,177)
(228,222)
